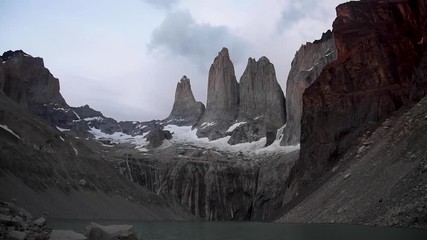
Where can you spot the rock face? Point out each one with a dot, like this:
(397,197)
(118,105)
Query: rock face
(185,110)
(156,137)
(94,119)
(28,82)
(214,186)
(261,100)
(223,98)
(306,66)
(381,181)
(2,77)
(381,66)
(261,95)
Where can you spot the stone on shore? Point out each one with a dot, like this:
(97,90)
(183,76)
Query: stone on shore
(95,231)
(66,235)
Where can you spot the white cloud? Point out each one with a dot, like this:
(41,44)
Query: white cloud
(181,35)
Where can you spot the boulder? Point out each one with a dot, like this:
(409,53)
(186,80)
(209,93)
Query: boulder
(66,235)
(17,235)
(247,132)
(156,137)
(222,100)
(95,231)
(40,222)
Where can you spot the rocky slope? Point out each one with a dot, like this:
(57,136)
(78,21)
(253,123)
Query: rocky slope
(306,66)
(185,110)
(380,68)
(382,180)
(223,98)
(261,105)
(46,170)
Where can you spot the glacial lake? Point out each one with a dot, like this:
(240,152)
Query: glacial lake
(249,230)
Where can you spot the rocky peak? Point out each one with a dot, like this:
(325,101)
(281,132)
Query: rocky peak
(261,95)
(306,66)
(28,82)
(262,103)
(185,110)
(223,97)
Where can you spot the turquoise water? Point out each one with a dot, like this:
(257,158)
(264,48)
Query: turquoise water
(249,230)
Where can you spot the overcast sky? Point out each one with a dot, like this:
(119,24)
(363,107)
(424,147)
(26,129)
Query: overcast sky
(124,58)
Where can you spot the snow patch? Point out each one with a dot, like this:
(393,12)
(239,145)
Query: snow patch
(78,117)
(310,69)
(185,135)
(62,138)
(234,126)
(207,124)
(62,129)
(98,119)
(118,137)
(75,150)
(10,131)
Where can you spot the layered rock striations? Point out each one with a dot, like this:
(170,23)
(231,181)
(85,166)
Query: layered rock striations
(185,110)
(213,185)
(222,100)
(262,103)
(306,66)
(380,68)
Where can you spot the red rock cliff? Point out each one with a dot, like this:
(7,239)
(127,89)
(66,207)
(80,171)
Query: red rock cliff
(381,66)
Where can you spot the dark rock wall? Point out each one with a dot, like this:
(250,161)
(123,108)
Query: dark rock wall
(28,82)
(214,187)
(380,68)
(306,66)
(2,77)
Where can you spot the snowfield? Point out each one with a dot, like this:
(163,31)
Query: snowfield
(10,131)
(185,135)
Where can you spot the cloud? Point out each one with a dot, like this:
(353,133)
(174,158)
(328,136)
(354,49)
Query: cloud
(180,35)
(295,12)
(166,4)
